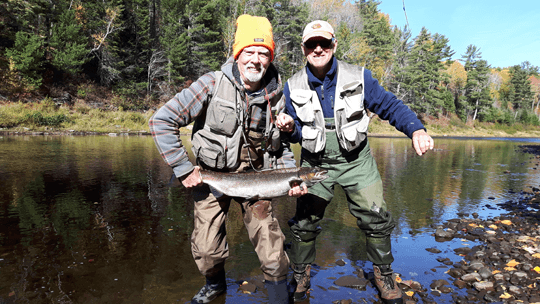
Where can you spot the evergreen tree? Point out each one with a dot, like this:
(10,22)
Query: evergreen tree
(288,24)
(27,55)
(520,95)
(402,48)
(102,21)
(477,85)
(423,75)
(379,37)
(206,21)
(66,45)
(174,38)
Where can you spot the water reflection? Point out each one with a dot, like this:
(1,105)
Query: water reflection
(93,220)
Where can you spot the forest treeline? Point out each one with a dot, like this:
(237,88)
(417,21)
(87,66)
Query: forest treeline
(147,50)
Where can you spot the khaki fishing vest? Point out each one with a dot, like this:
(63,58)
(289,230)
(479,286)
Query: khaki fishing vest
(351,118)
(218,137)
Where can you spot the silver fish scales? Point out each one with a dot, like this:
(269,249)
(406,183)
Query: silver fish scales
(264,184)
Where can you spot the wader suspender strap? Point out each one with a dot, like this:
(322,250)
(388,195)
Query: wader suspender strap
(245,100)
(267,132)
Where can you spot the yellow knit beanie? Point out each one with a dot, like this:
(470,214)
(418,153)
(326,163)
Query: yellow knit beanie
(253,31)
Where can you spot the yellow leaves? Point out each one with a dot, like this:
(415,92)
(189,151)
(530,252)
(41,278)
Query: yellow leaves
(409,293)
(505,296)
(536,255)
(458,76)
(245,291)
(398,279)
(495,271)
(512,263)
(473,225)
(506,222)
(537,269)
(494,227)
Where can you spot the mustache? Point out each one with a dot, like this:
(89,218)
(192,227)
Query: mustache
(252,65)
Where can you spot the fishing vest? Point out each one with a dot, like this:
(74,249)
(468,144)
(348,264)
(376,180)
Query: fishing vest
(218,135)
(351,118)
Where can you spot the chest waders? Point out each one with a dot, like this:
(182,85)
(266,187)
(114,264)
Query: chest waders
(356,172)
(221,142)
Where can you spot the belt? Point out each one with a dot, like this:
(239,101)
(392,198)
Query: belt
(329,126)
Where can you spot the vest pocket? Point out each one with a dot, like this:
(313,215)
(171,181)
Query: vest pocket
(221,117)
(209,149)
(354,132)
(301,102)
(353,99)
(312,139)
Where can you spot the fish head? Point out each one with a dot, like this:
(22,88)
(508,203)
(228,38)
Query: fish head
(314,175)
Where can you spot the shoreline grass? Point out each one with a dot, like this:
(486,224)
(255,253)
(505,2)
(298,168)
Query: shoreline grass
(46,116)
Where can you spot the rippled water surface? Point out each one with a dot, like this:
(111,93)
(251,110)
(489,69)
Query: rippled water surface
(94,219)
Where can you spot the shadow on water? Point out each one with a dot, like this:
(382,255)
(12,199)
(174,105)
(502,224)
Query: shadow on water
(92,220)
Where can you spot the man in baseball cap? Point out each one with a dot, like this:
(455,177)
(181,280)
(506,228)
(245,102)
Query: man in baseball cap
(326,105)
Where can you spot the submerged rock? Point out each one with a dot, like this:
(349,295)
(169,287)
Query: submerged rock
(352,282)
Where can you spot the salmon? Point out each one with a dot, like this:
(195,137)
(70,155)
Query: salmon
(264,184)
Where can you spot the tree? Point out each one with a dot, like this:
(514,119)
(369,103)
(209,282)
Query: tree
(424,74)
(206,21)
(174,38)
(66,45)
(530,69)
(379,37)
(398,68)
(101,23)
(521,95)
(288,25)
(477,85)
(27,56)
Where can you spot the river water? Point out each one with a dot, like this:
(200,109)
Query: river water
(94,219)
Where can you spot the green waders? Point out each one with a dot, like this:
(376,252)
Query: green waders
(359,177)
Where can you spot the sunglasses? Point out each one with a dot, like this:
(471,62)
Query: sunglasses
(325,44)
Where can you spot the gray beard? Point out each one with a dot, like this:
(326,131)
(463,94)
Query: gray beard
(254,77)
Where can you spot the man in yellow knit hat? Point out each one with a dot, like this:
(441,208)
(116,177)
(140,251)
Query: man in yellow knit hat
(233,132)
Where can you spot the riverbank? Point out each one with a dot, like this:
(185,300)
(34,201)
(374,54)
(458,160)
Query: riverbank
(52,117)
(378,128)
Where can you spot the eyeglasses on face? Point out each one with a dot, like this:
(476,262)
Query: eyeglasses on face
(325,44)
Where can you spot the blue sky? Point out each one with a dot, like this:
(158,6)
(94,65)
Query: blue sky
(507,32)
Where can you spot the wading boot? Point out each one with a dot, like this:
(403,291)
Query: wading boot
(277,292)
(301,282)
(387,286)
(213,288)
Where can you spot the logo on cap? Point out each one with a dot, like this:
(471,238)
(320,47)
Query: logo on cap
(316,26)
(258,39)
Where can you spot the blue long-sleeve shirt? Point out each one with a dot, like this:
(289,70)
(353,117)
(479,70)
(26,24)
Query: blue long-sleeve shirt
(376,99)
